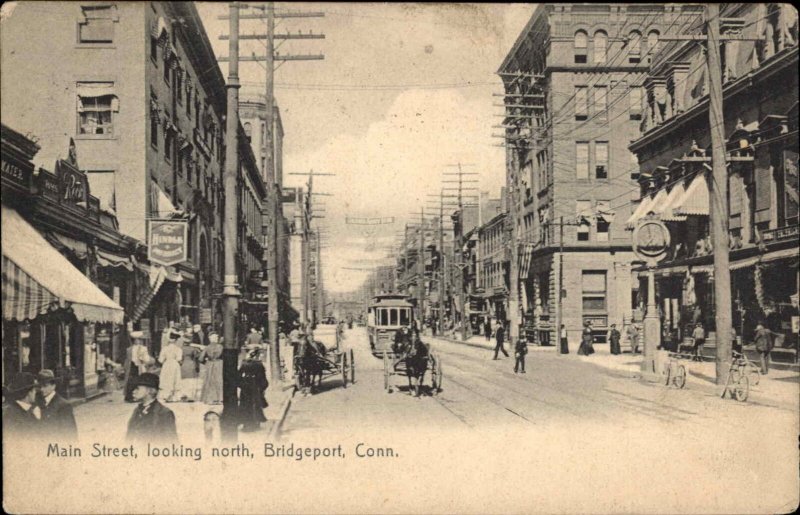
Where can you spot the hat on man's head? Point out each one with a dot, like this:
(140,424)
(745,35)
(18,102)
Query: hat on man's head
(137,335)
(20,385)
(174,335)
(46,376)
(146,379)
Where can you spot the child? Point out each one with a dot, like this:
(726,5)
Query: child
(520,350)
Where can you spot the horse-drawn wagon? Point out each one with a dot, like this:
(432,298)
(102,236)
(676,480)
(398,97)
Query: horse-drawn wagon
(314,360)
(406,355)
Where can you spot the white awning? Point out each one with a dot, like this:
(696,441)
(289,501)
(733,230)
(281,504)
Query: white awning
(50,271)
(665,209)
(642,209)
(695,200)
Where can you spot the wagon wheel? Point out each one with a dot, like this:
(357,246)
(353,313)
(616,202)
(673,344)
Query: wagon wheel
(679,379)
(344,370)
(436,375)
(352,368)
(385,371)
(741,389)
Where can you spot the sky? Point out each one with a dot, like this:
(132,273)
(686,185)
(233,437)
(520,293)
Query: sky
(403,94)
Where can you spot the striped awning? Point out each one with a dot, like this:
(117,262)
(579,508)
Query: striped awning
(641,210)
(23,297)
(695,200)
(48,271)
(665,208)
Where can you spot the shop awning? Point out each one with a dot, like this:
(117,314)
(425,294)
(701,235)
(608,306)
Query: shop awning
(61,242)
(107,259)
(665,209)
(642,209)
(695,200)
(45,277)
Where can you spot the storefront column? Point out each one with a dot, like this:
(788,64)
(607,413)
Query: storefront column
(652,328)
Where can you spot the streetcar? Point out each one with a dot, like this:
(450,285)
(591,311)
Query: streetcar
(385,316)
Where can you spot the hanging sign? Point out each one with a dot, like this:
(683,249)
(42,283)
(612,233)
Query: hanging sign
(167,242)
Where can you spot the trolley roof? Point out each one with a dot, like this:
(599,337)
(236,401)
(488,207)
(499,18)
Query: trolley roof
(391,300)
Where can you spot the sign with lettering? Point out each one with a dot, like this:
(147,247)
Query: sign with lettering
(167,241)
(16,174)
(73,185)
(205,315)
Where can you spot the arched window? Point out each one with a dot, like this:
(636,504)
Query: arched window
(581,46)
(248,129)
(600,44)
(652,41)
(634,47)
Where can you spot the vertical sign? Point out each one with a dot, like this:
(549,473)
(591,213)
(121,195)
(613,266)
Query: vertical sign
(167,241)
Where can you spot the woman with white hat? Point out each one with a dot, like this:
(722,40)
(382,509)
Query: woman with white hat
(212,381)
(136,361)
(170,358)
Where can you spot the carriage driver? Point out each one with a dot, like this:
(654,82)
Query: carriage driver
(402,338)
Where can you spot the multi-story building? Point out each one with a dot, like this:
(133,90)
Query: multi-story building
(760,94)
(493,266)
(138,88)
(574,81)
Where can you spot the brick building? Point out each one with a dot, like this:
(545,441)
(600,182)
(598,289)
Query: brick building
(573,82)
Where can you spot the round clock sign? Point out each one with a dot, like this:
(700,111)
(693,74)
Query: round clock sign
(651,240)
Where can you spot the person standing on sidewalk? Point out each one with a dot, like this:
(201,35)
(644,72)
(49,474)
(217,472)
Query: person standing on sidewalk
(763,341)
(586,348)
(170,359)
(57,417)
(699,335)
(22,417)
(487,330)
(212,381)
(500,337)
(562,335)
(613,338)
(633,337)
(151,421)
(520,351)
(252,386)
(190,370)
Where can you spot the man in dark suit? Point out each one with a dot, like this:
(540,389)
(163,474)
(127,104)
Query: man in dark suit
(500,334)
(151,421)
(22,417)
(57,416)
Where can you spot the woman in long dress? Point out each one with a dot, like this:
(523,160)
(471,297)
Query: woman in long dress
(212,380)
(586,348)
(135,362)
(252,385)
(170,359)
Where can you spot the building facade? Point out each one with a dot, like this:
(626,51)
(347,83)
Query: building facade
(760,112)
(137,86)
(573,82)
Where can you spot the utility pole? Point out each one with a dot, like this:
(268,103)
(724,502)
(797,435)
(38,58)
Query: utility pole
(442,268)
(459,252)
(718,196)
(718,185)
(560,284)
(271,179)
(230,291)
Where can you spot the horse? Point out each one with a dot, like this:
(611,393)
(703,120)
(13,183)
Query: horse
(416,357)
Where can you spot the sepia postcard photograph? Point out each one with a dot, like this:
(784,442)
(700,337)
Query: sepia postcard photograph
(399,258)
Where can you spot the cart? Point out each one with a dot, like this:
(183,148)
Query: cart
(314,366)
(397,365)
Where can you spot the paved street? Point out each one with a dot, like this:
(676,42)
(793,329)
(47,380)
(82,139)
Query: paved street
(633,431)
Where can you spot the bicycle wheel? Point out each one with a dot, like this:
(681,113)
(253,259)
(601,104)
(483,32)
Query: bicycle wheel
(755,375)
(679,378)
(741,389)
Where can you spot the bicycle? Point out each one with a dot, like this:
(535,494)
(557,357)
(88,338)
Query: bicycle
(738,382)
(747,367)
(676,371)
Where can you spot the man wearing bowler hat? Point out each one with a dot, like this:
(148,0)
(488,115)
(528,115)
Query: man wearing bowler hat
(57,416)
(22,416)
(151,421)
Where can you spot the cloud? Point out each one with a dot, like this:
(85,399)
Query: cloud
(389,170)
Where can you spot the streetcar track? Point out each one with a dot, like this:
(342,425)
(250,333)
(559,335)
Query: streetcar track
(490,399)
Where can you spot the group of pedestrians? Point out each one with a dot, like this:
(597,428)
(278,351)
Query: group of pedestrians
(35,409)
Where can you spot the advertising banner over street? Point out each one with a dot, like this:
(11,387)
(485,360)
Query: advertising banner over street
(167,241)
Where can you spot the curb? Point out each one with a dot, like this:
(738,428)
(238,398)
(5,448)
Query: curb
(276,428)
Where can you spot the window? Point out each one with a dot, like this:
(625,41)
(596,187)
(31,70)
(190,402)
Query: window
(154,121)
(582,159)
(594,290)
(634,47)
(601,160)
(248,130)
(404,317)
(652,41)
(603,225)
(97,25)
(168,139)
(197,110)
(600,44)
(393,317)
(583,209)
(581,103)
(97,104)
(263,133)
(188,98)
(179,85)
(635,102)
(154,49)
(581,46)
(102,185)
(600,100)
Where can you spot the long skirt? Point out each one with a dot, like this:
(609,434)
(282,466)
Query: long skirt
(212,384)
(586,348)
(170,380)
(564,346)
(133,373)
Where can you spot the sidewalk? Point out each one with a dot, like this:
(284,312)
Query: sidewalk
(780,387)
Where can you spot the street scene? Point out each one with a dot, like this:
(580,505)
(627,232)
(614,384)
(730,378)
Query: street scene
(474,257)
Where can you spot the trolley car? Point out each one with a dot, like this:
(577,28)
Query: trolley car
(385,316)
